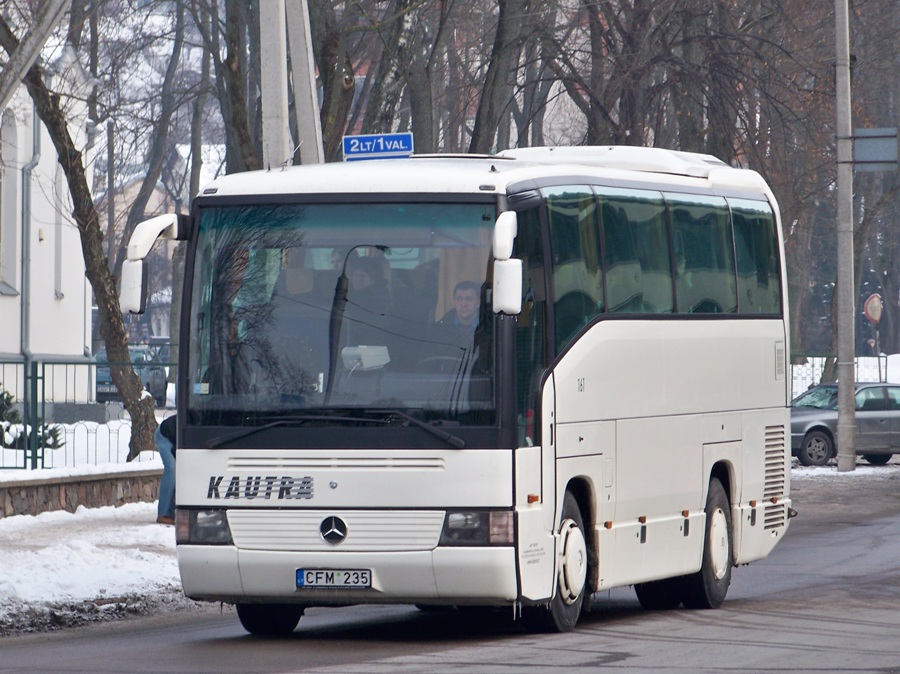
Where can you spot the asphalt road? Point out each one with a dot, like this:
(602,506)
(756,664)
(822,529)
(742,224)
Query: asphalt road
(826,600)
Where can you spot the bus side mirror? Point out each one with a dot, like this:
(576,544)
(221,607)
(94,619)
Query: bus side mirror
(506,295)
(133,290)
(505,230)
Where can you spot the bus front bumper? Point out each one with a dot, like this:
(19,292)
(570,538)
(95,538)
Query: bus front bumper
(446,575)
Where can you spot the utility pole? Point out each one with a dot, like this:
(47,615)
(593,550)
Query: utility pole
(273,83)
(845,291)
(303,72)
(274,27)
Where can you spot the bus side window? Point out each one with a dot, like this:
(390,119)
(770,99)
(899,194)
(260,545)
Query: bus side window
(705,273)
(636,262)
(622,269)
(759,280)
(577,281)
(530,327)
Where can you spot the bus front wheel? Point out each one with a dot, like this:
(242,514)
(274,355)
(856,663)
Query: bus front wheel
(561,614)
(707,587)
(270,620)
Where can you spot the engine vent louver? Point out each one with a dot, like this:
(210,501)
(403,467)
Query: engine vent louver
(775,510)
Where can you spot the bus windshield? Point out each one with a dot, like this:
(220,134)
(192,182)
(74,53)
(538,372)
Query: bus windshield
(342,309)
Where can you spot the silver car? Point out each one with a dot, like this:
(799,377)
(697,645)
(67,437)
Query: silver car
(814,423)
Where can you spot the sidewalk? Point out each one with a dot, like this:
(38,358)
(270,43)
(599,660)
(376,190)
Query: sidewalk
(62,569)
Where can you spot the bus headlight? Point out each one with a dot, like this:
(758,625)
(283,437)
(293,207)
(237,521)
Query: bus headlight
(478,527)
(202,527)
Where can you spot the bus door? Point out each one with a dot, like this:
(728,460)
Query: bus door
(536,482)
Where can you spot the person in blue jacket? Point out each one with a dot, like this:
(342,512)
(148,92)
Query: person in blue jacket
(165,443)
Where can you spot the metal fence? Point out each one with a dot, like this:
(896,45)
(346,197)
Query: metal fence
(60,395)
(809,373)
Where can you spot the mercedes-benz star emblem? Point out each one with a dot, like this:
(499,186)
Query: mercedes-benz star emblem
(333,530)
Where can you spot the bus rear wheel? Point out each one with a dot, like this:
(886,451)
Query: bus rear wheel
(707,588)
(660,595)
(270,620)
(561,614)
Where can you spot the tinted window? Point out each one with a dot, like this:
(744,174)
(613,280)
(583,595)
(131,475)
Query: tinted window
(704,254)
(636,258)
(338,308)
(530,326)
(756,247)
(577,289)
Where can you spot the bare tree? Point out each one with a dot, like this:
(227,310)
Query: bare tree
(50,110)
(500,79)
(159,144)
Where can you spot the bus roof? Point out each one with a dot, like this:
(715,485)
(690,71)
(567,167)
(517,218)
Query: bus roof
(510,170)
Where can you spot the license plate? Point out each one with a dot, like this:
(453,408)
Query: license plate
(334,578)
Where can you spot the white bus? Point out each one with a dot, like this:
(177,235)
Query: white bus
(615,414)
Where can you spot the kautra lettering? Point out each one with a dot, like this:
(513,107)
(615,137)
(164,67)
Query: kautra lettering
(269,487)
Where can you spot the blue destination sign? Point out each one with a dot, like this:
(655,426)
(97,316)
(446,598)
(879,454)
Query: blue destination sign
(378,146)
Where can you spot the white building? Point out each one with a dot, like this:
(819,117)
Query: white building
(45,299)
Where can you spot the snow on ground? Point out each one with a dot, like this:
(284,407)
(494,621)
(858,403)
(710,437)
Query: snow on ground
(95,552)
(61,568)
(863,470)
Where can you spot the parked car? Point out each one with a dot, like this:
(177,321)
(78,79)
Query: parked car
(147,366)
(163,348)
(814,418)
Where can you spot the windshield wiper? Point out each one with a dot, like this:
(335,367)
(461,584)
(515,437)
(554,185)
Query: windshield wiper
(449,438)
(212,443)
(454,440)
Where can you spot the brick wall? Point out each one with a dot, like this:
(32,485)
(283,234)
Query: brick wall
(30,496)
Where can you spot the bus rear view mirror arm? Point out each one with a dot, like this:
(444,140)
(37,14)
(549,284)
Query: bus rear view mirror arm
(133,288)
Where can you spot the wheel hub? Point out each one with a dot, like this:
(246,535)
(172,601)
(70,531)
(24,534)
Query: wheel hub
(719,548)
(816,449)
(572,561)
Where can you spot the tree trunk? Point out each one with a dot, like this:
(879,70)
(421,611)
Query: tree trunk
(500,78)
(387,86)
(335,72)
(112,327)
(240,154)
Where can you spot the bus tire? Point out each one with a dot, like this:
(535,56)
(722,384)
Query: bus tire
(660,595)
(562,613)
(707,588)
(270,620)
(816,449)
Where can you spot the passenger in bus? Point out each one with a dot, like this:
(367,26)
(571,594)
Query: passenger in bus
(452,339)
(368,301)
(463,318)
(368,286)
